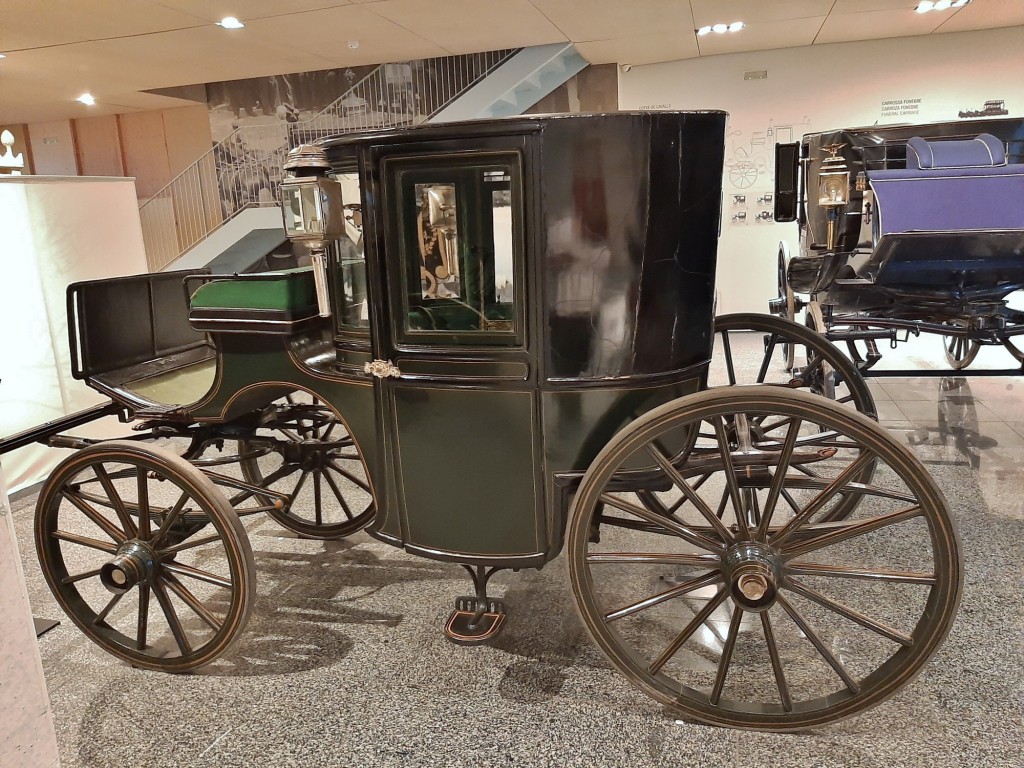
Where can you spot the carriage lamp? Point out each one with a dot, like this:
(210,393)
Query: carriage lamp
(312,208)
(833,189)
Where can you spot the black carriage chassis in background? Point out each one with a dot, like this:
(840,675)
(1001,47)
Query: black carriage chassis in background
(880,147)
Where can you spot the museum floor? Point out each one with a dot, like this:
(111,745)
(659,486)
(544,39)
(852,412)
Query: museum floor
(343,661)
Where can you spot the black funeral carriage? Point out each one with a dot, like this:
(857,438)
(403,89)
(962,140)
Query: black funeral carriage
(905,230)
(499,353)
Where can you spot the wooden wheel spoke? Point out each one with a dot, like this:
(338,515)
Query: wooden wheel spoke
(653,558)
(773,654)
(673,648)
(190,544)
(143,621)
(668,523)
(170,519)
(192,602)
(679,590)
(850,613)
(723,662)
(729,365)
(816,641)
(690,493)
(142,483)
(339,496)
(172,618)
(81,576)
(102,522)
(198,574)
(823,497)
(102,615)
(298,486)
(349,476)
(318,503)
(844,571)
(127,523)
(85,541)
(852,530)
(778,479)
(767,359)
(730,476)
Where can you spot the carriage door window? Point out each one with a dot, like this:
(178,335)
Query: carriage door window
(458,243)
(351,308)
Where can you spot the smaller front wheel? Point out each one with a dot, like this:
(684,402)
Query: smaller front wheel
(145,555)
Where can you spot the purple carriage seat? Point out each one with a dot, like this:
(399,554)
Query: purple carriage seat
(950,186)
(956,213)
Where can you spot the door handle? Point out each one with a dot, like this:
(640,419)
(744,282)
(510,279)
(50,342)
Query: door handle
(382,369)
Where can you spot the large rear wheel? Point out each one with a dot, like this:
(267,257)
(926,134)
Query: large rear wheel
(730,592)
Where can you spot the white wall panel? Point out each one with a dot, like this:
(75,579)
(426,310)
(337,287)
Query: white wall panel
(54,232)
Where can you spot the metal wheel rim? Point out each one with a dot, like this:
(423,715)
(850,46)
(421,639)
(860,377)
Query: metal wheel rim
(936,618)
(227,529)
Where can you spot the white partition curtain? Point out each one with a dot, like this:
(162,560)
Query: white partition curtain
(53,232)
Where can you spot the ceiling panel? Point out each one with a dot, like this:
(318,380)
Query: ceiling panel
(326,34)
(762,35)
(985,14)
(840,28)
(470,26)
(33,23)
(246,10)
(585,20)
(644,49)
(756,11)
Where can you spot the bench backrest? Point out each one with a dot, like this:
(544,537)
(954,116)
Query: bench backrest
(119,322)
(950,186)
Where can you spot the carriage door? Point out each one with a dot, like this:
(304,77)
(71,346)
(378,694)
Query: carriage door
(463,433)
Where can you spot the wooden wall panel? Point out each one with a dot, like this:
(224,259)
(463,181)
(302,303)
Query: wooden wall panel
(98,142)
(145,151)
(53,148)
(188,135)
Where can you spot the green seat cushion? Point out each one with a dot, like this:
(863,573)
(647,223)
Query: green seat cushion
(288,290)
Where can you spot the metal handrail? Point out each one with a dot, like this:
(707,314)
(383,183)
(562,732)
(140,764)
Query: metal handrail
(243,170)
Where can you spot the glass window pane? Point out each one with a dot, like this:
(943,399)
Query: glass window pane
(459,248)
(351,305)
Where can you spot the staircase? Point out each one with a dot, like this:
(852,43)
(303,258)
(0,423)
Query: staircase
(243,171)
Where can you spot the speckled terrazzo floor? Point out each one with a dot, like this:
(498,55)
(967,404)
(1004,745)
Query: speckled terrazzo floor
(343,661)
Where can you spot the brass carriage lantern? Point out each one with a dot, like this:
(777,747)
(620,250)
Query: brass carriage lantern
(833,189)
(313,214)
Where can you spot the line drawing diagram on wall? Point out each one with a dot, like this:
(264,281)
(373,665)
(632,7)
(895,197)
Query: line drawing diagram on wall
(751,159)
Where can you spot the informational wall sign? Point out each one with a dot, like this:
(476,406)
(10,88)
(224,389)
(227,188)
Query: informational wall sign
(892,108)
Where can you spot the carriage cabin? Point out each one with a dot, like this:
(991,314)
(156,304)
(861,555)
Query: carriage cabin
(520,290)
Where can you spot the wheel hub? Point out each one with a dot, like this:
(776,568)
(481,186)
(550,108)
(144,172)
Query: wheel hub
(133,563)
(753,574)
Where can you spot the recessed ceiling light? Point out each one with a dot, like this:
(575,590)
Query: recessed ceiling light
(939,5)
(230,22)
(2,56)
(720,28)
(87,98)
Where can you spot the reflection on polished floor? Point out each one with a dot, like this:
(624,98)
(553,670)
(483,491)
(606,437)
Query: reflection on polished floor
(343,661)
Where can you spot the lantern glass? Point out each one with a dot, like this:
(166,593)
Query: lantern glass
(302,214)
(834,189)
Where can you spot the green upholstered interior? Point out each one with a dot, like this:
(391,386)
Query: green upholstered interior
(288,290)
(454,317)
